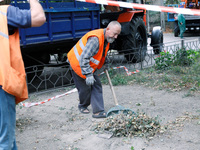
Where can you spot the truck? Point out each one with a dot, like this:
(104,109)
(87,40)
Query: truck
(68,20)
(192,23)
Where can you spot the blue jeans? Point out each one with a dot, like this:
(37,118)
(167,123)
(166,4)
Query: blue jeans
(7,121)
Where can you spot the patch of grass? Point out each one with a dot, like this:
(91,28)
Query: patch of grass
(141,77)
(175,78)
(132,148)
(186,78)
(119,80)
(116,78)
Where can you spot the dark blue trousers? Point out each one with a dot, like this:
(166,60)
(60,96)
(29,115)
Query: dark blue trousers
(7,121)
(89,94)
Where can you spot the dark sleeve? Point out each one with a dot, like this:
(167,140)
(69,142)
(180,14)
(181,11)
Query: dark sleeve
(18,18)
(91,48)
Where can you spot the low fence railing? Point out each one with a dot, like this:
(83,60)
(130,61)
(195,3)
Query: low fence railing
(51,78)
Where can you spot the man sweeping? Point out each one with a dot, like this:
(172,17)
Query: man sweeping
(85,58)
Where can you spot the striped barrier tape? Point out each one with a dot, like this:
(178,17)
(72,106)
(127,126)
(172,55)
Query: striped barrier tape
(127,72)
(26,104)
(195,12)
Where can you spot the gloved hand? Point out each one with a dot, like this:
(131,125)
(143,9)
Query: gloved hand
(90,79)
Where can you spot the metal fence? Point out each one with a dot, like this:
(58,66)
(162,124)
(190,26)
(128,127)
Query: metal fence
(51,78)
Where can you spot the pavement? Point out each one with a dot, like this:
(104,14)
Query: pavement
(170,38)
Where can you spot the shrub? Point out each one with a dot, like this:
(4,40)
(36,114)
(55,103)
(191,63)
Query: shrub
(182,57)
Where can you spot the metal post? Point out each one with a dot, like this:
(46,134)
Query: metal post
(182,44)
(162,18)
(198,42)
(141,57)
(148,25)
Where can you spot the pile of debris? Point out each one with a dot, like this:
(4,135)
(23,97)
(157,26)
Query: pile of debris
(129,125)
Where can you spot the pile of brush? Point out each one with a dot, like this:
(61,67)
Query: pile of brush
(129,125)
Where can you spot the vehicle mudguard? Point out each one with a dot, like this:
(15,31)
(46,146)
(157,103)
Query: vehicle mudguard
(125,19)
(155,35)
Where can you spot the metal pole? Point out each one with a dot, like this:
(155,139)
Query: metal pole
(148,25)
(182,44)
(162,18)
(141,57)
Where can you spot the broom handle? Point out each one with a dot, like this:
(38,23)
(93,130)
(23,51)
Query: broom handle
(111,86)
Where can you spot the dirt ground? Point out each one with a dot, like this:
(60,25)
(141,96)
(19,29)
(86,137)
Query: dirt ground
(58,125)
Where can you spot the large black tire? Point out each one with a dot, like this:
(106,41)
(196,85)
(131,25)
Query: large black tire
(135,43)
(176,29)
(157,48)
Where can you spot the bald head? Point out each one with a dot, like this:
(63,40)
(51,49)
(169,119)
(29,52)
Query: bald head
(112,31)
(114,23)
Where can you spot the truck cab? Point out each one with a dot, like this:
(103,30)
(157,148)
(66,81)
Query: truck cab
(192,23)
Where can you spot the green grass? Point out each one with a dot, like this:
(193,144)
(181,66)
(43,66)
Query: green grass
(174,78)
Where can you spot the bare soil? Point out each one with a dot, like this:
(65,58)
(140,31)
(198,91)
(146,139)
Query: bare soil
(58,124)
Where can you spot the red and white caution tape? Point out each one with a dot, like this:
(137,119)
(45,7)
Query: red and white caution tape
(128,72)
(38,103)
(195,12)
(26,104)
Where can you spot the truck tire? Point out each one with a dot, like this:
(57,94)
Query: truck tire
(158,49)
(135,41)
(157,40)
(176,29)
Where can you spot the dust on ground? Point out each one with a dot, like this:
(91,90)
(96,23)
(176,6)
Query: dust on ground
(58,124)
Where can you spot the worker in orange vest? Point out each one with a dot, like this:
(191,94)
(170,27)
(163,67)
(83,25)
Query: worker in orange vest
(85,58)
(13,88)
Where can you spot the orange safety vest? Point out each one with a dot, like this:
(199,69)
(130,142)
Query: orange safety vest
(12,72)
(97,61)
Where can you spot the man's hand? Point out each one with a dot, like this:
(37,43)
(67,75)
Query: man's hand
(90,79)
